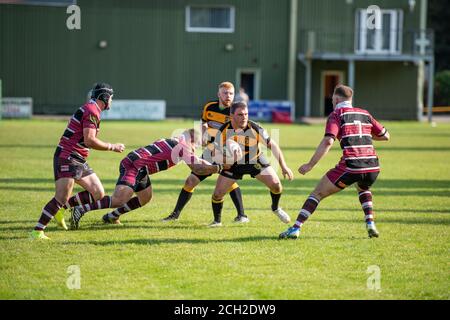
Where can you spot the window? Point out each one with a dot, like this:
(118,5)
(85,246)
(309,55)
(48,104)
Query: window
(210,19)
(385,38)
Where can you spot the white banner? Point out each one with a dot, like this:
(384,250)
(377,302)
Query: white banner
(17,107)
(136,110)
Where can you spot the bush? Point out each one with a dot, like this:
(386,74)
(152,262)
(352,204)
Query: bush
(442,88)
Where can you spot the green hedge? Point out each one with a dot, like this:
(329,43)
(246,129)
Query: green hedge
(442,88)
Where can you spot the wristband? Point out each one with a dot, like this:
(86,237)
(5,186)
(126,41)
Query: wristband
(219,168)
(110,147)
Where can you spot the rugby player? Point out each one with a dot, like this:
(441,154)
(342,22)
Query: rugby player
(135,169)
(69,161)
(215,113)
(249,136)
(355,128)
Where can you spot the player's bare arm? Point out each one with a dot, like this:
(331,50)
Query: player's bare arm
(323,148)
(286,171)
(204,130)
(91,141)
(204,169)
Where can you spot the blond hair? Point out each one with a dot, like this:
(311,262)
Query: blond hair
(226,85)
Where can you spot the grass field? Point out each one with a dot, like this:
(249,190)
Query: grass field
(147,259)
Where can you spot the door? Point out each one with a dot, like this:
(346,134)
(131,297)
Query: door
(330,79)
(249,80)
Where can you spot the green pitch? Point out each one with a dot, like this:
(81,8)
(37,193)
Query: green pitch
(148,259)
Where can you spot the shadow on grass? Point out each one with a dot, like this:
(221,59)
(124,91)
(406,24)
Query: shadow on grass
(26,236)
(344,210)
(152,224)
(18,221)
(393,187)
(166,241)
(382,147)
(386,220)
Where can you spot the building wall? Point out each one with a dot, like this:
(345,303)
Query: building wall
(387,89)
(334,25)
(149,54)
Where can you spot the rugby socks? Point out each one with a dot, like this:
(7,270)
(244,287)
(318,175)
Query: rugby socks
(49,211)
(275,200)
(79,199)
(365,198)
(236,196)
(308,209)
(103,203)
(217,206)
(183,198)
(132,204)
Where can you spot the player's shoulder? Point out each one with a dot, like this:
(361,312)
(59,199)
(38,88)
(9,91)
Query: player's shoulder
(333,114)
(211,104)
(364,112)
(91,108)
(172,142)
(255,125)
(225,126)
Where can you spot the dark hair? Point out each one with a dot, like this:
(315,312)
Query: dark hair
(102,91)
(343,91)
(237,105)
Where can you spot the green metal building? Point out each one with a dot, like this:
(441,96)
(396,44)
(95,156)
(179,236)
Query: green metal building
(179,50)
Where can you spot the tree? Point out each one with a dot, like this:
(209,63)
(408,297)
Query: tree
(438,20)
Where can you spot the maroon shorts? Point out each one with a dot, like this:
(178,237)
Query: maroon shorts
(70,168)
(342,179)
(137,180)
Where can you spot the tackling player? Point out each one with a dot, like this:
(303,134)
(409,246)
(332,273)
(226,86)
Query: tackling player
(215,113)
(69,161)
(135,169)
(355,129)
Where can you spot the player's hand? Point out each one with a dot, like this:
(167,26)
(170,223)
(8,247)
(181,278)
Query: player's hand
(305,168)
(118,147)
(237,154)
(287,172)
(227,166)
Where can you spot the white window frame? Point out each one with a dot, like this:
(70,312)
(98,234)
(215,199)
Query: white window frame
(395,41)
(206,29)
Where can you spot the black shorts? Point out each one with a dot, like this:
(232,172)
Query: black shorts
(342,179)
(137,180)
(237,171)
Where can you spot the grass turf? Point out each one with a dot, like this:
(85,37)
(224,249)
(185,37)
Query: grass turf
(148,259)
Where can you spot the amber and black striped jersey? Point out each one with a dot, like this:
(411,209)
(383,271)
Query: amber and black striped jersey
(215,117)
(249,139)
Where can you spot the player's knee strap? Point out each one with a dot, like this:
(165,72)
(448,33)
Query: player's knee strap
(233,187)
(214,200)
(188,189)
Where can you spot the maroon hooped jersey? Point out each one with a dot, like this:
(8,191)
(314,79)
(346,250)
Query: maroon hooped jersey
(354,127)
(72,141)
(161,155)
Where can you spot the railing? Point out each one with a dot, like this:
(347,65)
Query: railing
(367,42)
